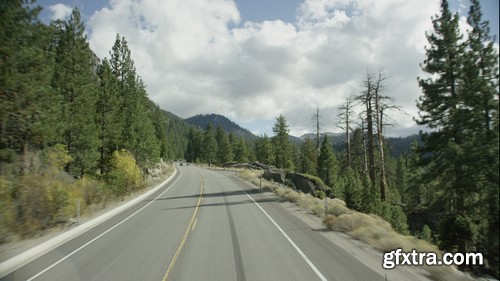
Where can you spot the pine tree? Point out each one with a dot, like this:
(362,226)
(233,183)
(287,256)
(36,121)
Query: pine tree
(219,134)
(75,82)
(401,183)
(264,150)
(310,164)
(352,189)
(296,157)
(370,199)
(146,145)
(108,114)
(123,68)
(139,134)
(233,141)
(28,106)
(328,165)
(224,153)
(280,142)
(225,150)
(240,153)
(358,153)
(442,108)
(480,90)
(250,146)
(209,150)
(198,145)
(159,123)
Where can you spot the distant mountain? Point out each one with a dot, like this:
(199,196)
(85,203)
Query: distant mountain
(298,140)
(202,120)
(173,114)
(313,135)
(397,146)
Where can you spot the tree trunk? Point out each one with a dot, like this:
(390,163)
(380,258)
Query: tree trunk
(379,112)
(3,144)
(371,145)
(348,142)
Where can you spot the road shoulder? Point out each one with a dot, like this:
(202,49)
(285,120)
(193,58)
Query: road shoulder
(370,257)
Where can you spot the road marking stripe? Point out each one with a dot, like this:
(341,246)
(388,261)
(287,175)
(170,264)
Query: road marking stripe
(185,235)
(286,236)
(102,234)
(194,225)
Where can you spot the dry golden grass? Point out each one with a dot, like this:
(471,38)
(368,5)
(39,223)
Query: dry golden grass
(371,229)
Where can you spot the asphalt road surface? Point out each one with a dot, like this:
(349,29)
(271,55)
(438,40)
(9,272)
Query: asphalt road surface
(202,225)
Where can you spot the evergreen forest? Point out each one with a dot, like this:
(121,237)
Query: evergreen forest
(73,127)
(67,117)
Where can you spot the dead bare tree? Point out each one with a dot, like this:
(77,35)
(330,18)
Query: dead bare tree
(366,99)
(317,127)
(344,122)
(378,88)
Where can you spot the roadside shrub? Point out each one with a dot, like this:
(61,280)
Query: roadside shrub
(280,192)
(426,234)
(307,201)
(337,201)
(291,196)
(320,194)
(320,185)
(39,196)
(125,176)
(57,156)
(6,207)
(329,221)
(337,209)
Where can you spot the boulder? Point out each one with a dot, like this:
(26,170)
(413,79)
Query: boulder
(275,175)
(251,166)
(302,183)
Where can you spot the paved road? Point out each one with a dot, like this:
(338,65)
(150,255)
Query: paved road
(203,225)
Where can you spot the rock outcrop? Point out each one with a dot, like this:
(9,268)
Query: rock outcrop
(275,175)
(302,183)
(251,166)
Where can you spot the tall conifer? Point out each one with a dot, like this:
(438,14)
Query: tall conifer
(76,84)
(442,108)
(281,142)
(108,114)
(27,109)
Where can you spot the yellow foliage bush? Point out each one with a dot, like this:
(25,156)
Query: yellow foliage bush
(126,175)
(57,156)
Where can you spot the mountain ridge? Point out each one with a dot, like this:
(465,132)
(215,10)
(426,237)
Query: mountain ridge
(201,121)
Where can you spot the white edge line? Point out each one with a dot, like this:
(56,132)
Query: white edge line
(28,256)
(286,236)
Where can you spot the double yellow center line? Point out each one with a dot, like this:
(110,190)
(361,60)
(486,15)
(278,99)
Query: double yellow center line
(187,232)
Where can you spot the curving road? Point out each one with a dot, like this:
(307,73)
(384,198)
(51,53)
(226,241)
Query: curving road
(203,225)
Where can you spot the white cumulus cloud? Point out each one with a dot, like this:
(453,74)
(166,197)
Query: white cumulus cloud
(196,56)
(60,11)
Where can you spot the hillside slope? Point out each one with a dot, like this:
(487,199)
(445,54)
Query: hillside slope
(201,121)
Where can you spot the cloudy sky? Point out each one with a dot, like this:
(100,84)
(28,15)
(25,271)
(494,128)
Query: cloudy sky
(252,60)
